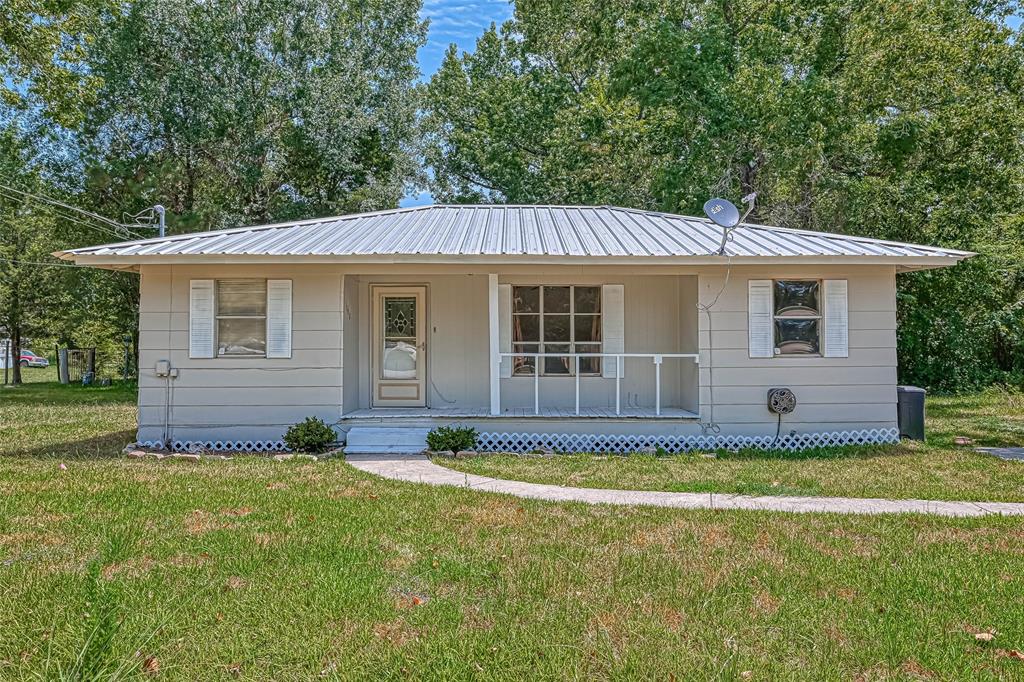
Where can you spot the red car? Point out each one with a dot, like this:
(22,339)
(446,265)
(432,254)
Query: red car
(30,359)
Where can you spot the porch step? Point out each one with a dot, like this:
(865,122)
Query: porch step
(368,440)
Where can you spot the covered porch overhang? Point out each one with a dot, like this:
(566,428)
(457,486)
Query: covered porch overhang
(644,364)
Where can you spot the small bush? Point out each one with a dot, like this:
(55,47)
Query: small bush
(452,438)
(311,435)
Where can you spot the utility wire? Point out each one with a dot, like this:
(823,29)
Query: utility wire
(72,219)
(54,202)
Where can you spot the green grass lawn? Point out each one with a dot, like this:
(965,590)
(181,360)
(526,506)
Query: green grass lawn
(937,470)
(252,569)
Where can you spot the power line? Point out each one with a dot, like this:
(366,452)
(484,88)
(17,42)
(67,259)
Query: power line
(54,202)
(72,219)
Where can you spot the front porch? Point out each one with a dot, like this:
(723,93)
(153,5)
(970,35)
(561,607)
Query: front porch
(547,346)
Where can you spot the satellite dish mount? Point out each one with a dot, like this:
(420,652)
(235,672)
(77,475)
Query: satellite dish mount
(724,213)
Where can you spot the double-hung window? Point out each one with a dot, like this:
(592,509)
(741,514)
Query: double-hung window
(552,320)
(796,316)
(241,314)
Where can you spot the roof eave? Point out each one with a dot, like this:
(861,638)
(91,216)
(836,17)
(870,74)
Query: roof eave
(133,262)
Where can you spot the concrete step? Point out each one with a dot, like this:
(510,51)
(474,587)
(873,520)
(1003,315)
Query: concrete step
(370,440)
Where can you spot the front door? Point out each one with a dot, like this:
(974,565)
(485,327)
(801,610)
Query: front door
(399,346)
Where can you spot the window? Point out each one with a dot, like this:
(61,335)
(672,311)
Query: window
(241,317)
(797,316)
(556,319)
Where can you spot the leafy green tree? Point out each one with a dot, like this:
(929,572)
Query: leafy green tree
(42,50)
(27,289)
(237,112)
(900,121)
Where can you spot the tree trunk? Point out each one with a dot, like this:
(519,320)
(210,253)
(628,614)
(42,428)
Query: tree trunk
(16,354)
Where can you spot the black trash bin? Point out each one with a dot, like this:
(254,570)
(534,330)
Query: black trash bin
(910,411)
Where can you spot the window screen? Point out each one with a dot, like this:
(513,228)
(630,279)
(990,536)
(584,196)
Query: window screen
(241,317)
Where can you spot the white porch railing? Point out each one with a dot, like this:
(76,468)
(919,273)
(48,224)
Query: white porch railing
(656,358)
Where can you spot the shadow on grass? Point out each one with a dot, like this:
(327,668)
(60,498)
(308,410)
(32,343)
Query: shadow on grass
(54,393)
(105,446)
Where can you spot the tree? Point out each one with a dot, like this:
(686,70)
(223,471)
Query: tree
(27,289)
(238,112)
(898,121)
(42,47)
(528,117)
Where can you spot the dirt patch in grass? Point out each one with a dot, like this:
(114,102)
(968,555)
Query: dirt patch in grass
(397,633)
(140,566)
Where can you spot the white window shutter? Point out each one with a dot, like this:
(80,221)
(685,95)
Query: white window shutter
(505,328)
(836,336)
(613,326)
(200,318)
(279,318)
(760,335)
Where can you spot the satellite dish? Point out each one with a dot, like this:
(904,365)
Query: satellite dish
(722,212)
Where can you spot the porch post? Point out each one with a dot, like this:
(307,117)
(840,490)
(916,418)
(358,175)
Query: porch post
(493,343)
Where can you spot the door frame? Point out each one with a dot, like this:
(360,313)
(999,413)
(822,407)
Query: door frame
(415,394)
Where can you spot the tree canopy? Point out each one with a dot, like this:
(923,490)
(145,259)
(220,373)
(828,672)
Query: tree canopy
(899,121)
(892,120)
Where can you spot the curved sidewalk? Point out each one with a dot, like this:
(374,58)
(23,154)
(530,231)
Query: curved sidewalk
(419,469)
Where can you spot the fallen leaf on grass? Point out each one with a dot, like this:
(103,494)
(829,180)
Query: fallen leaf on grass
(1010,653)
(985,636)
(151,666)
(963,440)
(373,497)
(235,669)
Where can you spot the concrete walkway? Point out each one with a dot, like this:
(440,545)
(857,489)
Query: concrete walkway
(419,469)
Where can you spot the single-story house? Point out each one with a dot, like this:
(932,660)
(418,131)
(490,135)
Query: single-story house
(575,327)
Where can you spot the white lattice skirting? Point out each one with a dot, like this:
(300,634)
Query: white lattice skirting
(218,445)
(576,442)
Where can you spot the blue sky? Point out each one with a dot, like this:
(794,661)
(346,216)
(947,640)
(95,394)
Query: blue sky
(454,21)
(460,22)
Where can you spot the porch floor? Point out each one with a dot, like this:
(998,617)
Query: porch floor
(376,413)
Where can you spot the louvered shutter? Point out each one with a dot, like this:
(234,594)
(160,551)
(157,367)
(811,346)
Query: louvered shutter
(836,319)
(760,337)
(279,318)
(505,328)
(613,326)
(200,318)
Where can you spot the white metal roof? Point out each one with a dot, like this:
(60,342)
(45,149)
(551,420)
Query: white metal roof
(502,233)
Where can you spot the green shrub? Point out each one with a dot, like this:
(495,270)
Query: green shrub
(452,438)
(311,435)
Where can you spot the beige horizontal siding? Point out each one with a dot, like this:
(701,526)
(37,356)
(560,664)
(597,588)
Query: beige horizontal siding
(808,412)
(217,396)
(234,378)
(835,376)
(227,415)
(232,432)
(736,339)
(821,394)
(239,397)
(232,398)
(859,357)
(319,320)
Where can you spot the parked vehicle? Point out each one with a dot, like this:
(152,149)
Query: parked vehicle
(30,359)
